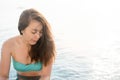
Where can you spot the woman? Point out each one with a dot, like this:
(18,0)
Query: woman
(33,51)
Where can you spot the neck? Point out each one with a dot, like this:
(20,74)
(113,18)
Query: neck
(25,42)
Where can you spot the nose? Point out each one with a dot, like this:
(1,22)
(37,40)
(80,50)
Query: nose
(37,36)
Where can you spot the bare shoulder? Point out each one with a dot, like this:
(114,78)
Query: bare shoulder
(10,41)
(9,44)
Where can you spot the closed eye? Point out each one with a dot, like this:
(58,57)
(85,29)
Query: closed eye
(34,32)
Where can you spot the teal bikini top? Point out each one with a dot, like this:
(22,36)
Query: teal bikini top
(25,68)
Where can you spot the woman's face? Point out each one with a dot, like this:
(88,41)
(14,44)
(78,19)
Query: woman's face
(33,32)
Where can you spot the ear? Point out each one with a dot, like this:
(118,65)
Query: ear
(22,31)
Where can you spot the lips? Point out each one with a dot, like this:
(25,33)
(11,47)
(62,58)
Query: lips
(34,40)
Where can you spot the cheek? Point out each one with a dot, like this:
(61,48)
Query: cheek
(40,36)
(27,36)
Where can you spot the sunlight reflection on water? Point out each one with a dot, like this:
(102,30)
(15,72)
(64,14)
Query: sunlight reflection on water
(86,36)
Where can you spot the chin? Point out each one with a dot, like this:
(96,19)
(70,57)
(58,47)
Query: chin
(33,43)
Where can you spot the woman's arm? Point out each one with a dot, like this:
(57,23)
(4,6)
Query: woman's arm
(5,61)
(46,71)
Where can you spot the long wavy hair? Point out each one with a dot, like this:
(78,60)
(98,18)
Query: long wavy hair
(44,49)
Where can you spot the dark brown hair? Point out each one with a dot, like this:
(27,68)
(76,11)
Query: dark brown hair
(44,49)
